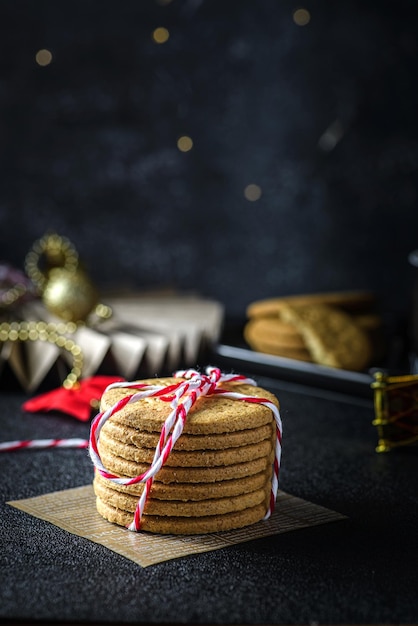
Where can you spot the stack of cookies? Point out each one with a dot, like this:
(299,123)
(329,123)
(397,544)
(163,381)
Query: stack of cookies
(218,475)
(339,330)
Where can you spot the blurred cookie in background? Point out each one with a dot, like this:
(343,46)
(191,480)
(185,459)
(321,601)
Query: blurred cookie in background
(355,302)
(337,329)
(274,336)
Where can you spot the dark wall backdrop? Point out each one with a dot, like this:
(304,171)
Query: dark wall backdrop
(322,117)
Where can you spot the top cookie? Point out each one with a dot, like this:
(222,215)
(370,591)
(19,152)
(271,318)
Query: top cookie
(211,414)
(345,300)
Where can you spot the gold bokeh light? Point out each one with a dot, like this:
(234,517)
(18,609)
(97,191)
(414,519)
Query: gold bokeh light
(252,192)
(301,17)
(43,57)
(184,143)
(160,35)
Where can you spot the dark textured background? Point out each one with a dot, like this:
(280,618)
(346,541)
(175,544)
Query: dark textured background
(88,143)
(88,148)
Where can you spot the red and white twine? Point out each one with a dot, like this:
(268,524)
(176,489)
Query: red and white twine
(182,396)
(11,446)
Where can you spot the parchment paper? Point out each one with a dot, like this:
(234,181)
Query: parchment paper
(74,510)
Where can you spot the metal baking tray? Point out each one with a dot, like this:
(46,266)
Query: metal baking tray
(242,359)
(231,353)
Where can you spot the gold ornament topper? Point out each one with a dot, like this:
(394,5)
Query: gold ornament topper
(66,290)
(53,267)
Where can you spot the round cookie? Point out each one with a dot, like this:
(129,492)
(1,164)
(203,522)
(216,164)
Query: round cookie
(192,491)
(301,354)
(286,353)
(346,300)
(190,508)
(185,458)
(123,467)
(273,331)
(184,525)
(210,415)
(221,441)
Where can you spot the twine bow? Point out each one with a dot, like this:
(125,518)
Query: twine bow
(182,396)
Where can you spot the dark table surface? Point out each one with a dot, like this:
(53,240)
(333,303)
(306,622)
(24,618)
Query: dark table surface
(359,570)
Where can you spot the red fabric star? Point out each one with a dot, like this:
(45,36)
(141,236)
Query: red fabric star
(76,401)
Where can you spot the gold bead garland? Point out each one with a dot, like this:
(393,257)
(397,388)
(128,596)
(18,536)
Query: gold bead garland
(15,287)
(52,333)
(10,296)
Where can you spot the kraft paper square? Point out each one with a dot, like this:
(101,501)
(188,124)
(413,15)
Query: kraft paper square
(74,510)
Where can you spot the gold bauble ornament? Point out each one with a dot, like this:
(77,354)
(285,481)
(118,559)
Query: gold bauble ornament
(66,290)
(70,295)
